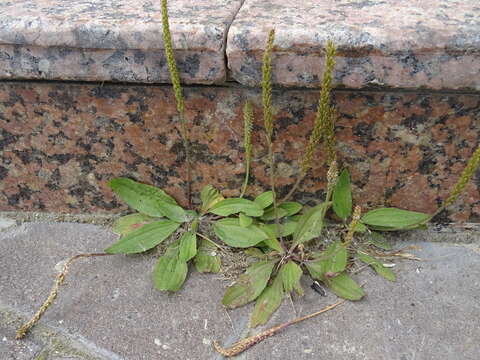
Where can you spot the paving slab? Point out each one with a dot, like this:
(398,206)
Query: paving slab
(110,306)
(431,44)
(113,40)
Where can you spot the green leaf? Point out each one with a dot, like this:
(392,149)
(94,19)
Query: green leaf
(298,289)
(127,224)
(315,269)
(188,245)
(286,229)
(209,196)
(207,259)
(284,209)
(378,240)
(345,287)
(290,274)
(291,207)
(342,196)
(333,260)
(256,253)
(190,215)
(264,199)
(235,205)
(249,285)
(271,241)
(245,220)
(274,244)
(309,225)
(231,233)
(147,199)
(269,301)
(389,219)
(269,214)
(360,228)
(146,237)
(376,265)
(295,218)
(170,271)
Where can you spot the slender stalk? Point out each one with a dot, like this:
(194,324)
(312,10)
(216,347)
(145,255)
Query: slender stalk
(267,107)
(462,182)
(324,124)
(294,187)
(268,120)
(247,141)
(353,224)
(247,343)
(175,77)
(332,178)
(209,240)
(53,294)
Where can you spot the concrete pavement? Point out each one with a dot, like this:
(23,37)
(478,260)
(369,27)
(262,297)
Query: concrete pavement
(109,309)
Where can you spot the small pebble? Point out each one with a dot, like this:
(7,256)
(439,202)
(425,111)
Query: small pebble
(157,342)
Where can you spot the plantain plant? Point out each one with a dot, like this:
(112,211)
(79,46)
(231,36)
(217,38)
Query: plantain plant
(284,238)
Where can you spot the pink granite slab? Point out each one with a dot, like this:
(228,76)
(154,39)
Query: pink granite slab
(60,144)
(431,44)
(112,40)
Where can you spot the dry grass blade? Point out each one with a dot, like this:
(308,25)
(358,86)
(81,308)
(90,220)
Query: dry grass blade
(398,254)
(247,343)
(53,293)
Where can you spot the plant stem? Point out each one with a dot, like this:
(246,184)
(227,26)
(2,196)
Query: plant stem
(247,140)
(247,175)
(294,187)
(247,343)
(462,182)
(353,224)
(210,240)
(175,77)
(268,122)
(324,123)
(53,293)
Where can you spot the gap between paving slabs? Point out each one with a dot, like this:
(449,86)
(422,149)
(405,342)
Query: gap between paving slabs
(113,303)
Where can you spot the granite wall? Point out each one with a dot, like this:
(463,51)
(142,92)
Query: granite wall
(61,142)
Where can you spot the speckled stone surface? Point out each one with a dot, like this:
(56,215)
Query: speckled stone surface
(432,44)
(113,40)
(61,143)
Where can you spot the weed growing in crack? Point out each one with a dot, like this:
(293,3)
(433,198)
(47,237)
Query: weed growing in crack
(286,238)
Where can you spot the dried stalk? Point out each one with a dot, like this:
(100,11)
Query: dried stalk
(247,343)
(53,293)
